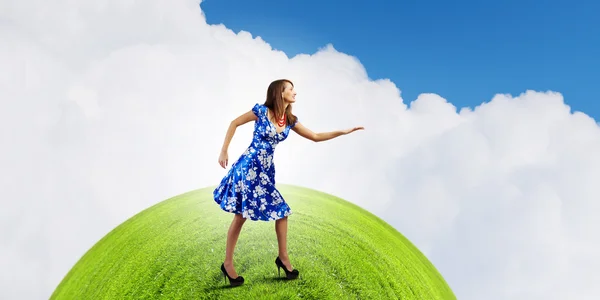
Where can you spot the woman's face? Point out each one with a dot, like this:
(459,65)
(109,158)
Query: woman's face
(289,94)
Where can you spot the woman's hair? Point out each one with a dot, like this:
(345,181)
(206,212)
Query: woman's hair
(275,102)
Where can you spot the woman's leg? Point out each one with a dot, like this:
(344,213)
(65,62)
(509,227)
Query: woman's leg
(281,231)
(232,236)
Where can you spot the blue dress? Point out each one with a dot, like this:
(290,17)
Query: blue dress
(249,186)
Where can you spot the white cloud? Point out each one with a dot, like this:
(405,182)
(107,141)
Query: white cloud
(108,107)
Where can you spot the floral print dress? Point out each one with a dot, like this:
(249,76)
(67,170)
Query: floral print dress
(249,186)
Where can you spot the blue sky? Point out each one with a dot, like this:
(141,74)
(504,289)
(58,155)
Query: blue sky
(464,51)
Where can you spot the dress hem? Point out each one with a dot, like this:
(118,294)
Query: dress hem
(235,212)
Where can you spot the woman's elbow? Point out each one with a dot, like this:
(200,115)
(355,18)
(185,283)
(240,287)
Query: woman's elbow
(315,137)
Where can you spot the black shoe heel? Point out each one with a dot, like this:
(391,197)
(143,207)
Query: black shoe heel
(293,274)
(232,281)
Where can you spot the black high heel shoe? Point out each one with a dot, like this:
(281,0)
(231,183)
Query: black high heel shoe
(232,281)
(293,274)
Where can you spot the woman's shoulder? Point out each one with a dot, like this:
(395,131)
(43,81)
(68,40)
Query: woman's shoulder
(259,108)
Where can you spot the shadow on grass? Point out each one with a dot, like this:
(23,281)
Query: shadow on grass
(273,279)
(270,280)
(224,286)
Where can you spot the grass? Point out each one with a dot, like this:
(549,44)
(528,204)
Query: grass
(174,249)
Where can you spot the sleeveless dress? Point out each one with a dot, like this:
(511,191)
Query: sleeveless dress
(249,186)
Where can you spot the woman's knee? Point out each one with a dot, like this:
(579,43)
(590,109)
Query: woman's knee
(239,218)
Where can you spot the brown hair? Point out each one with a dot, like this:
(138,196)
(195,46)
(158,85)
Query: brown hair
(275,102)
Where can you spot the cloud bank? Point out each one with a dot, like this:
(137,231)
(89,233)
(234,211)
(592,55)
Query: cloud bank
(107,107)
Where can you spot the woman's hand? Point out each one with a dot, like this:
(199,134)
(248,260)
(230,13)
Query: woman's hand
(347,131)
(223,159)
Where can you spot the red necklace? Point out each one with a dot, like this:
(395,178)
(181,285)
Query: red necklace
(281,121)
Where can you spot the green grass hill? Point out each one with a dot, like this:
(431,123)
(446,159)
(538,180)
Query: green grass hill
(174,250)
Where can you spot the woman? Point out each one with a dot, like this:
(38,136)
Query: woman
(248,190)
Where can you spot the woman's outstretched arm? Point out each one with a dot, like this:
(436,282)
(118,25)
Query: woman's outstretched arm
(322,136)
(241,120)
